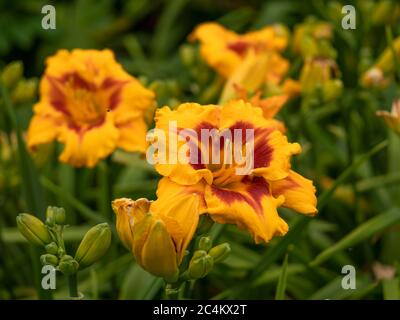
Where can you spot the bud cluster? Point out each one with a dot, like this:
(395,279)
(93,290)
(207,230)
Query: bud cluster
(49,235)
(22,90)
(204,258)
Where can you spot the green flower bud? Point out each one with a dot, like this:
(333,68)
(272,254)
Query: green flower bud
(59,216)
(205,243)
(55,215)
(220,252)
(94,245)
(332,89)
(68,265)
(33,229)
(47,258)
(24,91)
(52,248)
(50,216)
(200,265)
(12,73)
(187,54)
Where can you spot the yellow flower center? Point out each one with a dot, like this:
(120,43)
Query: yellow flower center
(85,107)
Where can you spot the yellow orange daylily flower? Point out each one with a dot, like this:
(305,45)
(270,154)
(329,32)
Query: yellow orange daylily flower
(270,105)
(158,233)
(247,200)
(91,105)
(225,50)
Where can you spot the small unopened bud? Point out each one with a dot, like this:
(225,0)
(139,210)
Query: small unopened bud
(187,54)
(94,245)
(68,265)
(12,73)
(205,243)
(24,91)
(50,216)
(220,252)
(59,216)
(52,248)
(33,229)
(50,259)
(200,265)
(54,216)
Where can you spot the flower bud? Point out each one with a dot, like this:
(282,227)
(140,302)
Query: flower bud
(51,259)
(154,249)
(59,216)
(52,248)
(128,212)
(94,245)
(332,89)
(50,216)
(68,265)
(200,265)
(220,252)
(205,243)
(24,91)
(187,54)
(12,73)
(33,229)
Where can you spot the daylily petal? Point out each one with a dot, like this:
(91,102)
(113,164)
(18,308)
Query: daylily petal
(88,147)
(214,48)
(248,204)
(128,213)
(298,191)
(42,130)
(179,207)
(132,135)
(192,118)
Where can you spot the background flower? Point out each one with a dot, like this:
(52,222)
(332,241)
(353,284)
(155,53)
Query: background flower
(91,105)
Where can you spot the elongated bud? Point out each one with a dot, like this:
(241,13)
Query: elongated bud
(52,248)
(157,254)
(24,91)
(332,89)
(12,73)
(94,245)
(187,54)
(33,229)
(220,252)
(205,243)
(51,259)
(200,265)
(50,216)
(68,265)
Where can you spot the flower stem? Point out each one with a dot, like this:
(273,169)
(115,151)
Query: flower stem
(73,286)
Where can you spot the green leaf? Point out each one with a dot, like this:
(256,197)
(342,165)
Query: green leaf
(139,284)
(391,289)
(360,234)
(281,287)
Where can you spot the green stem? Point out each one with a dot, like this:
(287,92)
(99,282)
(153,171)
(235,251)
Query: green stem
(73,285)
(104,201)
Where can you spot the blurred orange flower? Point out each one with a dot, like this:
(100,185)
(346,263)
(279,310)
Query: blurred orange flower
(91,105)
(225,50)
(392,118)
